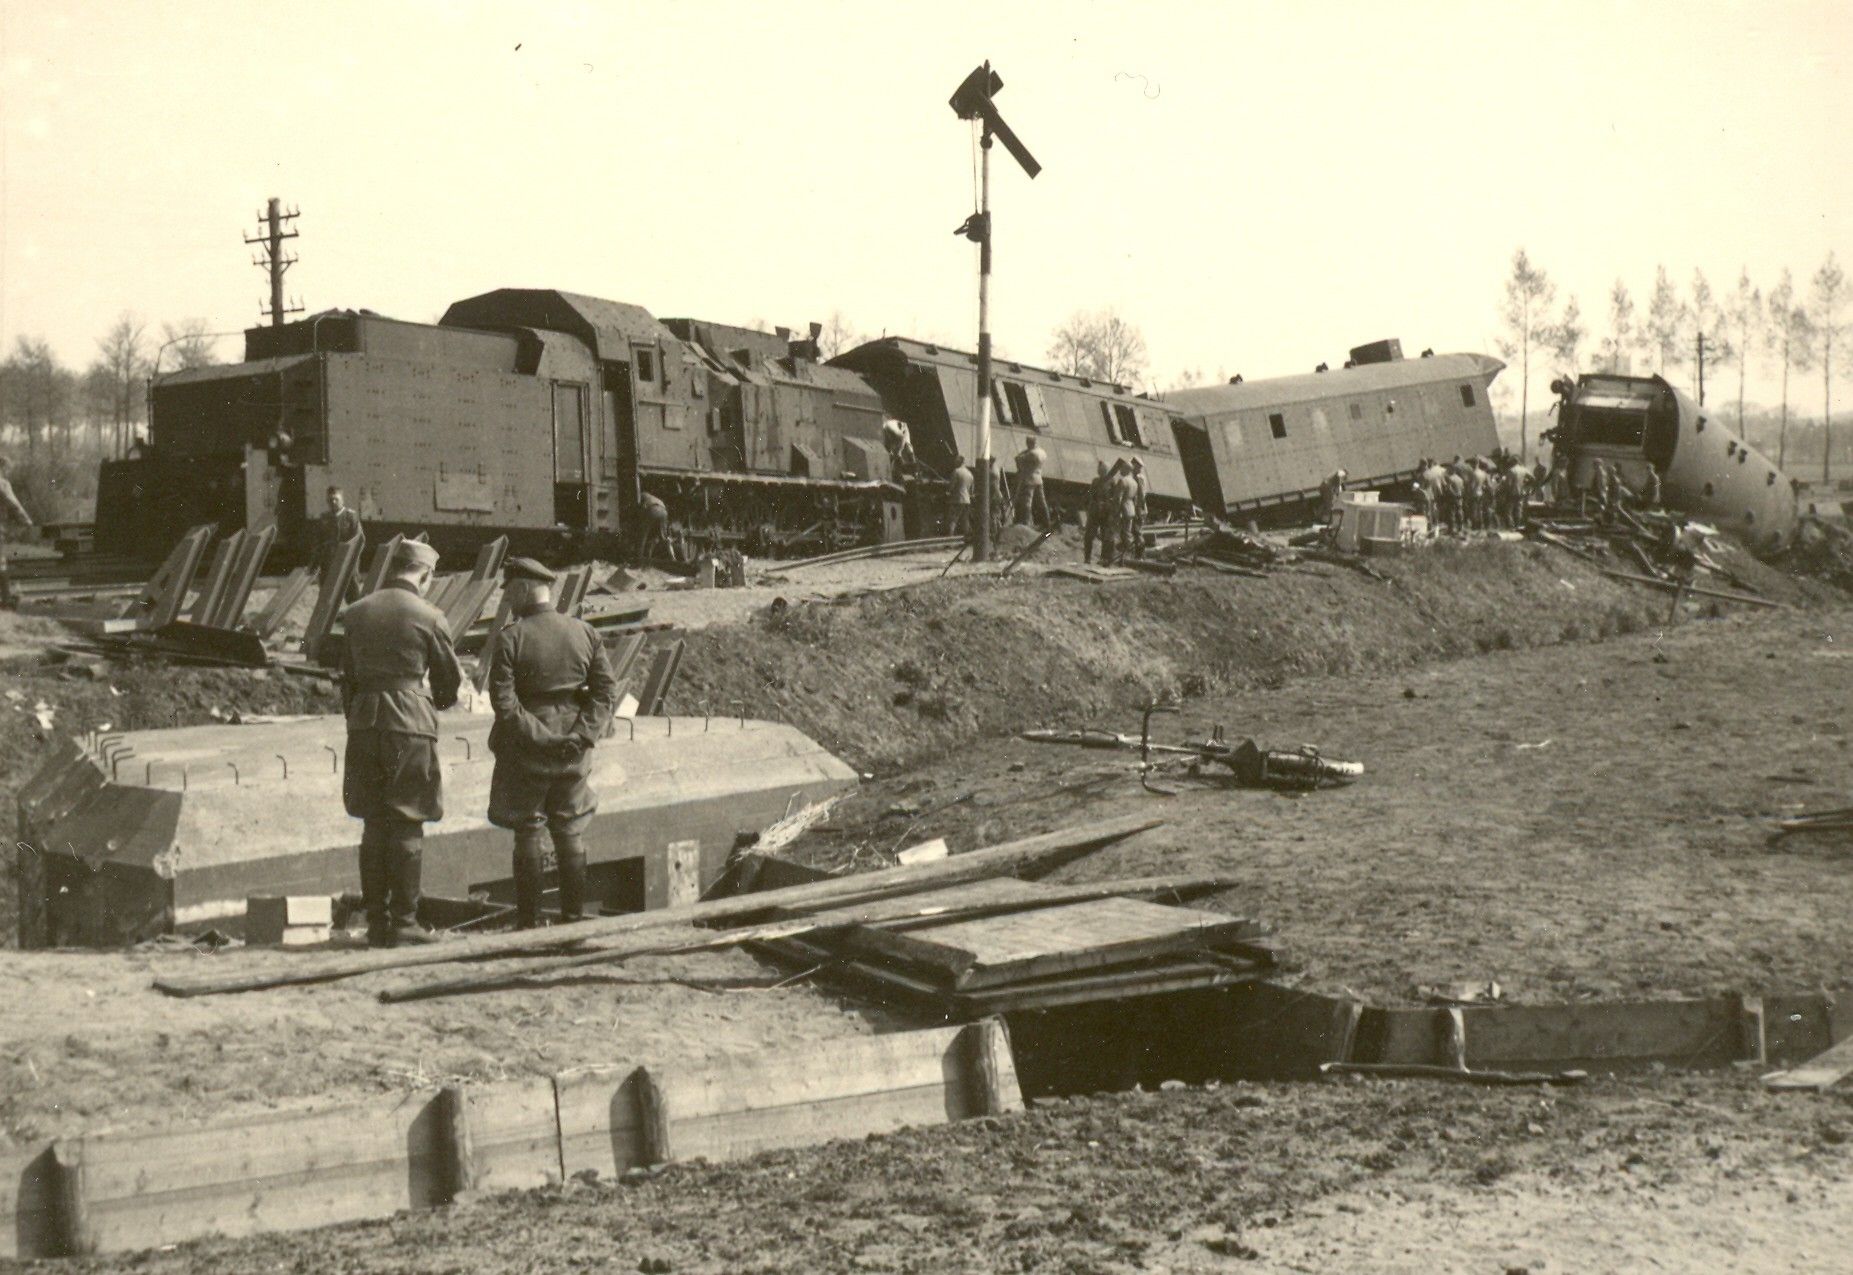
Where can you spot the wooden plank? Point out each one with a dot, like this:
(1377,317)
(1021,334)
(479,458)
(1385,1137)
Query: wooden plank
(246,566)
(1796,1026)
(212,588)
(850,1088)
(990,1069)
(1823,1071)
(1156,980)
(1029,856)
(656,683)
(1089,935)
(31,1224)
(489,559)
(278,1173)
(466,605)
(378,565)
(1679,1033)
(166,591)
(504,612)
(599,1124)
(337,568)
(287,594)
(927,907)
(655,1143)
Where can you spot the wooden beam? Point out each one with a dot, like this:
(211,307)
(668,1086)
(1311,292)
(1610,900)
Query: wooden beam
(654,1145)
(76,1236)
(898,912)
(1030,856)
(987,1060)
(459,1147)
(1694,590)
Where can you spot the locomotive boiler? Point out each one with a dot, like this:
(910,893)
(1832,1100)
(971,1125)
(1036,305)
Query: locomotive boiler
(1706,470)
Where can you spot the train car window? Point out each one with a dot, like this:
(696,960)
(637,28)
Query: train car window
(1000,403)
(646,366)
(1466,396)
(568,434)
(1038,407)
(1024,400)
(1129,425)
(1357,411)
(1699,426)
(1771,480)
(1277,423)
(1113,427)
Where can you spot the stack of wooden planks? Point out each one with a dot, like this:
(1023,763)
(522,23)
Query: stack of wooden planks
(1006,945)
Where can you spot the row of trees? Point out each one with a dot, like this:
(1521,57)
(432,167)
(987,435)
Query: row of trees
(48,409)
(1783,330)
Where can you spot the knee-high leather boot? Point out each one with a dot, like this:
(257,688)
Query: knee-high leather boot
(529,849)
(571,857)
(376,882)
(408,846)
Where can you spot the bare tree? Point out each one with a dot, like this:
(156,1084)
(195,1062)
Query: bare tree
(38,393)
(187,345)
(1526,315)
(1706,330)
(1621,338)
(1663,336)
(122,357)
(1102,346)
(1790,337)
(1567,334)
(1830,298)
(1743,320)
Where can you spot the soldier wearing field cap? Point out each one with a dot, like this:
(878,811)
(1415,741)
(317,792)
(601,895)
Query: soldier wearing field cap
(553,693)
(395,642)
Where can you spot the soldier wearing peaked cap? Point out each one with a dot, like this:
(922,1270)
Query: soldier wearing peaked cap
(395,642)
(553,693)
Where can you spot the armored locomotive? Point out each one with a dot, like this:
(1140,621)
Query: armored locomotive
(532,413)
(1706,470)
(546,416)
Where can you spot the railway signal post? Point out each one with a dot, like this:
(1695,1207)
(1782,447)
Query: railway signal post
(973,101)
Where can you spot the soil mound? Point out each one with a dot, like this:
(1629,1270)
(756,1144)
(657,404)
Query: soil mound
(894,678)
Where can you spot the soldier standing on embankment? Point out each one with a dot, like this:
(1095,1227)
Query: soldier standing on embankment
(553,692)
(394,641)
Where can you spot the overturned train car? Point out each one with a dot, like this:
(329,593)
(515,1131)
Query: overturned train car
(1706,470)
(532,413)
(1247,450)
(1260,449)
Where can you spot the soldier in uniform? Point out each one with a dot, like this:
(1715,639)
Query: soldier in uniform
(340,525)
(1144,487)
(1099,514)
(395,641)
(654,531)
(1126,516)
(1032,505)
(961,497)
(553,693)
(10,509)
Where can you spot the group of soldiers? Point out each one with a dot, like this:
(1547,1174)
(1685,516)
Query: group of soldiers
(1116,502)
(1481,493)
(553,693)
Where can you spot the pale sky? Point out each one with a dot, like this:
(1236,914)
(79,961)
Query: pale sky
(1259,187)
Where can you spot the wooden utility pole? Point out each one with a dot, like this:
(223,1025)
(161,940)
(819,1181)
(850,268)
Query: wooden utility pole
(271,260)
(1702,373)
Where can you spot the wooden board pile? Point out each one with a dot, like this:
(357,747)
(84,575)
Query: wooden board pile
(1640,546)
(959,937)
(1008,945)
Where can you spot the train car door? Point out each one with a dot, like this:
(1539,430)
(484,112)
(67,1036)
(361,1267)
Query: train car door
(572,460)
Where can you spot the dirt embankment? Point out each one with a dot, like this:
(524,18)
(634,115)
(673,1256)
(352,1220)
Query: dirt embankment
(894,678)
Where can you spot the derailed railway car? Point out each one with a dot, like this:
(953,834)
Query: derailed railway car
(533,413)
(1260,449)
(1078,421)
(1706,470)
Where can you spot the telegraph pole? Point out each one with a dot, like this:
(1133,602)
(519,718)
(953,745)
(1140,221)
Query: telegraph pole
(272,261)
(973,101)
(1702,370)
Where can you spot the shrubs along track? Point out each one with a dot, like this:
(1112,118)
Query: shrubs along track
(892,679)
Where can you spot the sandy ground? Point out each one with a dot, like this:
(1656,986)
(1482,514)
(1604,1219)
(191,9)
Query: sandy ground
(1578,820)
